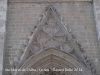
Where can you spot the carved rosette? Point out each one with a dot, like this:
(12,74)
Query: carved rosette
(50,36)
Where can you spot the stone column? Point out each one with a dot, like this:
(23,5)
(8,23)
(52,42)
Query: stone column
(3,10)
(96,4)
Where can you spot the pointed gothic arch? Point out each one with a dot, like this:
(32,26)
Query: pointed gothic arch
(53,58)
(52,39)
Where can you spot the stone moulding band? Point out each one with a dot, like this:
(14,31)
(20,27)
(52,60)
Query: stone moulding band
(45,1)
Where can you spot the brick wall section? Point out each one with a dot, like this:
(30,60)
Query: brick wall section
(3,9)
(77,15)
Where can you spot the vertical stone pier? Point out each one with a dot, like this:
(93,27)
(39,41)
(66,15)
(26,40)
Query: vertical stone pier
(3,10)
(97,16)
(96,6)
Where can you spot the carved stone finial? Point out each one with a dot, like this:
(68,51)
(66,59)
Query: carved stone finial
(35,27)
(80,47)
(84,56)
(87,62)
(40,19)
(73,36)
(44,15)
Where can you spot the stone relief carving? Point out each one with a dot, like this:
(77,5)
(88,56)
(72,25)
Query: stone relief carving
(52,33)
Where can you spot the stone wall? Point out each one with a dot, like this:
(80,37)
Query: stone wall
(78,16)
(3,9)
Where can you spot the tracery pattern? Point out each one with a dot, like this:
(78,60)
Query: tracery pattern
(50,35)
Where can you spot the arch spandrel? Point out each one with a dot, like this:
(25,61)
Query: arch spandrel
(52,36)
